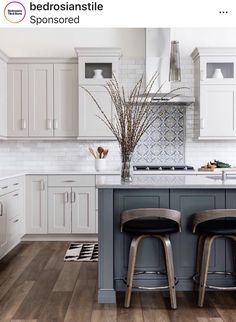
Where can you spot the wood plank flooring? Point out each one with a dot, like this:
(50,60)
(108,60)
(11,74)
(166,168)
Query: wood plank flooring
(36,285)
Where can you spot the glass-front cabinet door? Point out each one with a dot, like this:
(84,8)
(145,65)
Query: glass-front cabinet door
(218,70)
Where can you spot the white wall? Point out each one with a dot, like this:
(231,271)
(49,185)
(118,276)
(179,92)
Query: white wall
(189,38)
(60,42)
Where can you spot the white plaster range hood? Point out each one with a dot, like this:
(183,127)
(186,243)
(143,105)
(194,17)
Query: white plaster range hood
(158,42)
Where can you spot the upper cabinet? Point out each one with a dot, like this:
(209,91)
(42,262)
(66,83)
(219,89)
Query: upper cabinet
(215,92)
(42,100)
(96,66)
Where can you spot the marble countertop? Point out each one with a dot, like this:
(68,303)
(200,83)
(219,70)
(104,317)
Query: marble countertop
(169,182)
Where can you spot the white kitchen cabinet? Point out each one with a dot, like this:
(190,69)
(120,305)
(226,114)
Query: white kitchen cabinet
(36,204)
(90,126)
(59,210)
(11,213)
(96,67)
(3,96)
(17,100)
(215,89)
(15,218)
(71,204)
(83,210)
(3,224)
(65,121)
(41,100)
(218,111)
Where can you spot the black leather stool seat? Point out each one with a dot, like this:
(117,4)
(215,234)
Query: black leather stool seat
(150,226)
(225,226)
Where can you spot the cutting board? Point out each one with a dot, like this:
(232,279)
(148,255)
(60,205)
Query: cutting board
(217,169)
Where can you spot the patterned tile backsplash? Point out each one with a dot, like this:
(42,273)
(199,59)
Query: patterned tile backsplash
(163,143)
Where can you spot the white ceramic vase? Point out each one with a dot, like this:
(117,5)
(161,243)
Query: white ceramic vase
(98,73)
(217,74)
(100,164)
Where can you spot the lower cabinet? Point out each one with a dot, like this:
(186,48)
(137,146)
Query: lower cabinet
(36,204)
(3,224)
(71,210)
(11,215)
(59,210)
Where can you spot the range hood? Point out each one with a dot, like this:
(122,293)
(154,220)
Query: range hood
(158,42)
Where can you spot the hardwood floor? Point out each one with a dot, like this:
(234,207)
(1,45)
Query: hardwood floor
(37,286)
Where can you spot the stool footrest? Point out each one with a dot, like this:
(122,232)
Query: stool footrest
(220,288)
(164,287)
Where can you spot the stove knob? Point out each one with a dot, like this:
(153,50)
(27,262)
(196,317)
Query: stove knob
(147,168)
(160,168)
(173,168)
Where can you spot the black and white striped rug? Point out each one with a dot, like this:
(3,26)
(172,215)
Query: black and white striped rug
(82,252)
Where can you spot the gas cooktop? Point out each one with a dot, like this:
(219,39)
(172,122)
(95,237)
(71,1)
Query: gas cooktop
(158,168)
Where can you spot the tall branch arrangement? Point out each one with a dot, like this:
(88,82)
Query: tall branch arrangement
(133,113)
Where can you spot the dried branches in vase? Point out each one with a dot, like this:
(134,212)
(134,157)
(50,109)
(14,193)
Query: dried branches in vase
(133,116)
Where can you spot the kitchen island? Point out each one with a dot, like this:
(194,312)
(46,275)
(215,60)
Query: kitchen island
(186,193)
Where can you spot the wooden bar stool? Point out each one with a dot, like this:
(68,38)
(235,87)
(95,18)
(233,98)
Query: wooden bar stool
(151,222)
(210,225)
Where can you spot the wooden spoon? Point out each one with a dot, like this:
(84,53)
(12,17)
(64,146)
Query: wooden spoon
(100,151)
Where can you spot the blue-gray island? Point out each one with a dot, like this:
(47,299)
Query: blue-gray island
(186,193)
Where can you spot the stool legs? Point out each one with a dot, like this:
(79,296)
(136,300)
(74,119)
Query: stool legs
(204,268)
(132,260)
(169,269)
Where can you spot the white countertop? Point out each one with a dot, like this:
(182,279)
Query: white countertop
(7,174)
(168,182)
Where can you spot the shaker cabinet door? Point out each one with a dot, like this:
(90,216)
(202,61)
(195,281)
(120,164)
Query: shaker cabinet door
(65,122)
(217,111)
(90,125)
(59,210)
(41,100)
(17,100)
(36,204)
(83,210)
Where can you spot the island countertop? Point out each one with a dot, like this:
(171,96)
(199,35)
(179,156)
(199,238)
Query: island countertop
(193,181)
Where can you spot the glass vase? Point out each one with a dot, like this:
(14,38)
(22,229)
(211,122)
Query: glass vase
(126,167)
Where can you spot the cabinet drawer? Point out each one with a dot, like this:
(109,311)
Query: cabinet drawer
(10,185)
(71,180)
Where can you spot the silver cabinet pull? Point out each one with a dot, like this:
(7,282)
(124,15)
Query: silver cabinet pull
(1,209)
(42,183)
(16,184)
(49,124)
(72,197)
(16,220)
(69,181)
(23,124)
(202,123)
(5,187)
(66,196)
(15,195)
(55,124)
